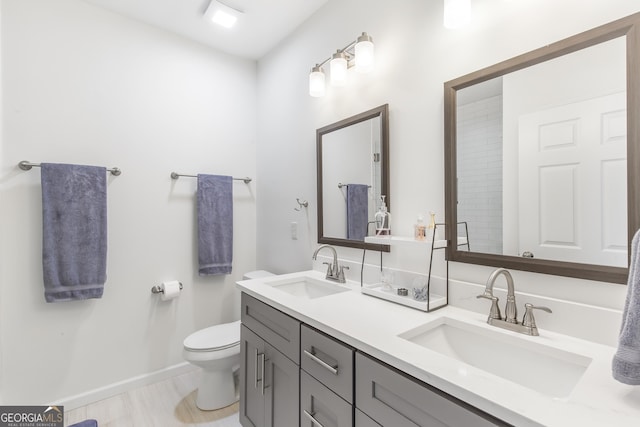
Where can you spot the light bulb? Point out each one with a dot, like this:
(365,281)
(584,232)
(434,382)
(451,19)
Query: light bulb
(364,54)
(338,66)
(457,13)
(316,82)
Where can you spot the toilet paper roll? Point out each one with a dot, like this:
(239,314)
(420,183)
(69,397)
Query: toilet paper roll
(170,289)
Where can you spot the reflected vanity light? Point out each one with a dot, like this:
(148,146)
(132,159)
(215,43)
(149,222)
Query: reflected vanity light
(457,13)
(222,14)
(359,53)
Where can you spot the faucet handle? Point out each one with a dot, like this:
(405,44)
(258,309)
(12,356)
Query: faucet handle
(341,277)
(494,312)
(528,320)
(329,268)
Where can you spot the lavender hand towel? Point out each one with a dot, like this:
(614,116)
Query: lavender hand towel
(357,211)
(85,423)
(215,224)
(626,362)
(74,231)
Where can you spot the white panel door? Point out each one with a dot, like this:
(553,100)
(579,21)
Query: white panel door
(572,182)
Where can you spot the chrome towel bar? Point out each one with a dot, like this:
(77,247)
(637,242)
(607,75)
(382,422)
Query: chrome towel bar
(175,175)
(26,166)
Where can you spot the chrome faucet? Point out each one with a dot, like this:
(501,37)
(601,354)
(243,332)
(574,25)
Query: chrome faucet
(510,321)
(335,272)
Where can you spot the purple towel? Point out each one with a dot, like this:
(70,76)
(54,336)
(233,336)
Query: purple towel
(74,231)
(85,423)
(357,211)
(215,224)
(626,362)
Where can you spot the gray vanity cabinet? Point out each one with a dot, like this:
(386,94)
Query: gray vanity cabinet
(294,375)
(269,366)
(392,398)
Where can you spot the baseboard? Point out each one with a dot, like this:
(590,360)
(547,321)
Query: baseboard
(111,390)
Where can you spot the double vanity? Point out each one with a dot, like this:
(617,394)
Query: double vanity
(320,353)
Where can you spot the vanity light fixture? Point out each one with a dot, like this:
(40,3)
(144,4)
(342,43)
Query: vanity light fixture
(338,66)
(221,14)
(358,53)
(457,13)
(316,82)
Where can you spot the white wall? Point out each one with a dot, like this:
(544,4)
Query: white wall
(414,56)
(83,85)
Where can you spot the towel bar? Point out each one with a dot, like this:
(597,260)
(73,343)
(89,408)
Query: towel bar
(26,166)
(340,185)
(175,175)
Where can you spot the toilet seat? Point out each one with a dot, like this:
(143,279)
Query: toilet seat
(214,338)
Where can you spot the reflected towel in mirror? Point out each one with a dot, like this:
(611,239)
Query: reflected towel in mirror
(357,211)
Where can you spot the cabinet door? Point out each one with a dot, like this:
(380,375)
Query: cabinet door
(394,399)
(252,362)
(320,406)
(282,389)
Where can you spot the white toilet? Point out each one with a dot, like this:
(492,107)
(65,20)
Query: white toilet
(216,350)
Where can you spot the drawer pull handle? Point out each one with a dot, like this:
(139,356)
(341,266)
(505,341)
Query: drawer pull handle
(262,357)
(312,418)
(256,370)
(332,369)
(259,368)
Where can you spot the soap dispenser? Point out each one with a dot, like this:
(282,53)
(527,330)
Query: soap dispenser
(420,229)
(383,219)
(432,221)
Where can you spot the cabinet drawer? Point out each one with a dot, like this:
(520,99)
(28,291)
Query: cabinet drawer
(321,406)
(362,420)
(395,399)
(275,327)
(327,360)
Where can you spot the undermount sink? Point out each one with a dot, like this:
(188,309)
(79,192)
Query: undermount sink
(539,367)
(306,287)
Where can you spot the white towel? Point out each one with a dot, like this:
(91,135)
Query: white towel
(626,362)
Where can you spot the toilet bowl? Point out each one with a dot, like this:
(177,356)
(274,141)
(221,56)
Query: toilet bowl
(216,350)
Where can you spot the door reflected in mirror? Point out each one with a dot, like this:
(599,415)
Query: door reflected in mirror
(352,162)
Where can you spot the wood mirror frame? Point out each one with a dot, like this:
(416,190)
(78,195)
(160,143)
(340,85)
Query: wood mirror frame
(628,28)
(383,113)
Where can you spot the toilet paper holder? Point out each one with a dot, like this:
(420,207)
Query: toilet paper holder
(157,289)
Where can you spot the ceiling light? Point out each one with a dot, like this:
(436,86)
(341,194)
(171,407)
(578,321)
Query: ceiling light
(359,53)
(222,14)
(457,13)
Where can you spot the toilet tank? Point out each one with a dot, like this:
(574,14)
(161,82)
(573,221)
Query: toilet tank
(258,274)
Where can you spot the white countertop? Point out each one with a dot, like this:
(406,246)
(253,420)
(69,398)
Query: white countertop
(373,325)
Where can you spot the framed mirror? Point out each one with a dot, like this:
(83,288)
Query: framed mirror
(542,160)
(352,176)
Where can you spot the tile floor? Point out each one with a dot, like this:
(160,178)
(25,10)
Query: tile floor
(168,403)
